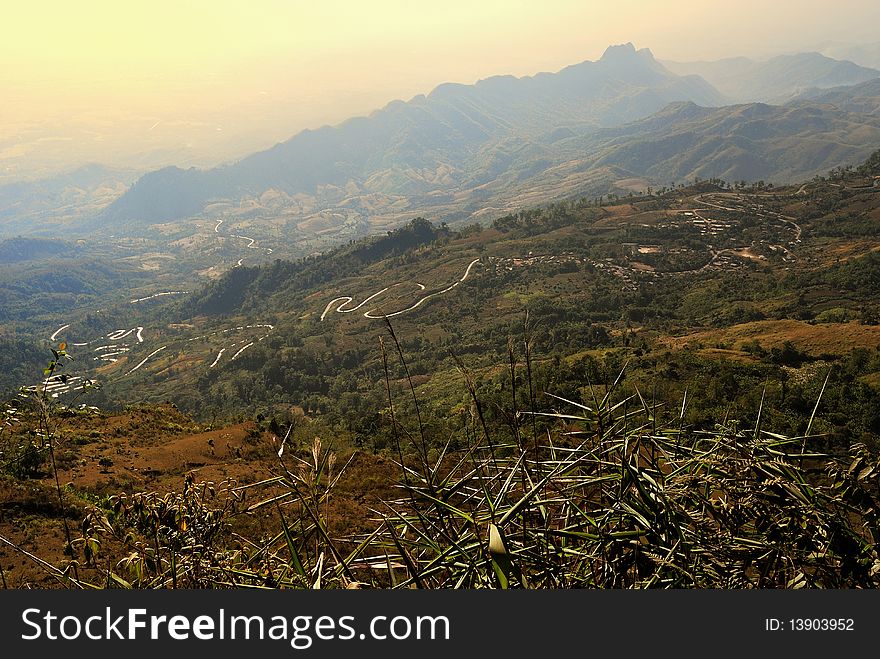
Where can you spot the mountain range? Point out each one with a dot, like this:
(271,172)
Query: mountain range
(863,98)
(776,80)
(39,206)
(464,152)
(751,142)
(457,137)
(864,54)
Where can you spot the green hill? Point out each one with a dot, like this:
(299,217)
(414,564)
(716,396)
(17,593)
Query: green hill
(711,288)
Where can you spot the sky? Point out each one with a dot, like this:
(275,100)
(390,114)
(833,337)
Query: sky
(142,84)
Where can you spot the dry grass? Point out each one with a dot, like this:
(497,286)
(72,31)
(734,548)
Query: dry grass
(729,355)
(818,339)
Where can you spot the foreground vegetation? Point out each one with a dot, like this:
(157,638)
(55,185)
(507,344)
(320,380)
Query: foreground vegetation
(617,493)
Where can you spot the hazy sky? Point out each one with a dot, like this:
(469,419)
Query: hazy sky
(141,83)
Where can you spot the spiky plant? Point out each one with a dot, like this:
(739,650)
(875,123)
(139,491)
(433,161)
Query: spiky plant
(612,499)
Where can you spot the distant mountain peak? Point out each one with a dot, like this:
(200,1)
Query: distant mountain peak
(404,148)
(625,51)
(619,50)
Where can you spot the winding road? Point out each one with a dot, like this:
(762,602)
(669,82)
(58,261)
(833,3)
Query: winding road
(146,359)
(232,345)
(155,295)
(252,244)
(798,231)
(217,358)
(346,300)
(58,331)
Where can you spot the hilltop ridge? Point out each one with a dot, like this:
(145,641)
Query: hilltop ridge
(404,147)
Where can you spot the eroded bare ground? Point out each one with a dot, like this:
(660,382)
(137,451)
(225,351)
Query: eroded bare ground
(153,449)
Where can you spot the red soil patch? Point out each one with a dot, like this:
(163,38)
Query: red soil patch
(154,449)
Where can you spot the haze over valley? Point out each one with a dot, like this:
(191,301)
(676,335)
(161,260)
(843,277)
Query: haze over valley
(105,241)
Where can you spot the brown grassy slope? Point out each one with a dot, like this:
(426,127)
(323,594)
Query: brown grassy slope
(153,449)
(818,339)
